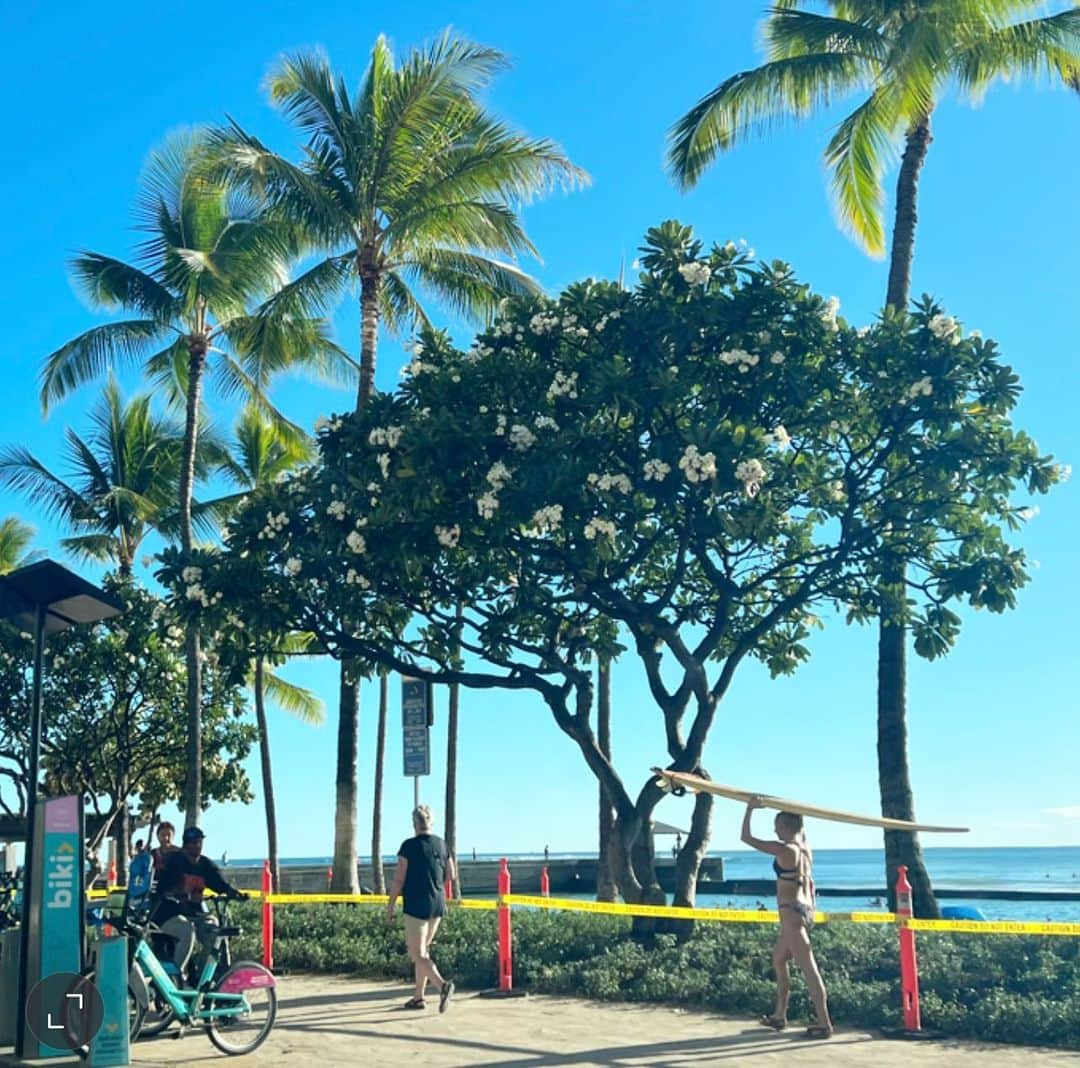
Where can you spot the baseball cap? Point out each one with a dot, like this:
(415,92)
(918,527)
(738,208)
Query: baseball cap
(191,833)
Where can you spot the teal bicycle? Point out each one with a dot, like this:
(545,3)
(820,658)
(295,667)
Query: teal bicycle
(235,1004)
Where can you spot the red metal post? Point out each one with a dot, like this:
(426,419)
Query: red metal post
(112,874)
(267,918)
(506,956)
(329,877)
(545,882)
(448,889)
(909,969)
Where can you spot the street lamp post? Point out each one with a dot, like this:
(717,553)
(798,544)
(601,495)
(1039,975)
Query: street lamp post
(50,598)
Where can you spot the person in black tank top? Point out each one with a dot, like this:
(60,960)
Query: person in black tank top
(422,870)
(792,863)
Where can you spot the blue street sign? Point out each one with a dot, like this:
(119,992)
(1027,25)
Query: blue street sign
(416,741)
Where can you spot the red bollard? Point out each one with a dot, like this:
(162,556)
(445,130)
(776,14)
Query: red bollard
(506,954)
(112,874)
(909,969)
(448,889)
(267,918)
(329,877)
(545,882)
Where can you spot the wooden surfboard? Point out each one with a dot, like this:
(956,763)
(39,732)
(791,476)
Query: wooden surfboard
(678,782)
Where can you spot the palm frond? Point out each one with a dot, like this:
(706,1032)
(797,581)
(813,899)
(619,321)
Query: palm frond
(800,33)
(857,156)
(298,701)
(469,283)
(754,100)
(15,536)
(1046,46)
(26,475)
(399,309)
(90,354)
(111,283)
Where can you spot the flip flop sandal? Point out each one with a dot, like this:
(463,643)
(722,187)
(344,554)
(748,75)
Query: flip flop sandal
(415,1003)
(773,1022)
(445,995)
(818,1031)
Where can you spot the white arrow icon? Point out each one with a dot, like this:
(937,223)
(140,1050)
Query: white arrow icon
(59,1027)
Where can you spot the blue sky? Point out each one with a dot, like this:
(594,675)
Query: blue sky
(993,728)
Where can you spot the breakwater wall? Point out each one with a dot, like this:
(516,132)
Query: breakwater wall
(566,875)
(578,876)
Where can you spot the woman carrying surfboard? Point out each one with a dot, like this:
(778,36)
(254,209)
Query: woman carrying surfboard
(792,862)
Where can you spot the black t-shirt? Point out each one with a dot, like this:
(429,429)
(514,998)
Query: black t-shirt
(422,895)
(181,884)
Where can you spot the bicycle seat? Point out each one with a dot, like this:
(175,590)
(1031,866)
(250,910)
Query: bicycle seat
(229,932)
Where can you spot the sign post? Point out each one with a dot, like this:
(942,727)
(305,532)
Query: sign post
(416,719)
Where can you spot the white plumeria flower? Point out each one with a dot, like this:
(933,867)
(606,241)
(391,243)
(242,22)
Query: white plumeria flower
(832,309)
(695,274)
(191,574)
(498,475)
(923,387)
(563,385)
(835,490)
(448,536)
(293,566)
(751,473)
(383,460)
(336,509)
(521,437)
(600,527)
(780,438)
(356,542)
(656,470)
(487,505)
(545,520)
(945,328)
(696,466)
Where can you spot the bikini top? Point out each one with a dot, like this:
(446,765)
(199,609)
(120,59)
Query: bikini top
(792,875)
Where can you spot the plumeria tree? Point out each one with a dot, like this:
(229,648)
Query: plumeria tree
(701,465)
(114,727)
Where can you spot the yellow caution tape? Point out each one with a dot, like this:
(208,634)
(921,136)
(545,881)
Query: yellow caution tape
(665,911)
(479,904)
(993,927)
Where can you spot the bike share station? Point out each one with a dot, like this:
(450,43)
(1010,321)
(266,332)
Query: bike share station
(48,1008)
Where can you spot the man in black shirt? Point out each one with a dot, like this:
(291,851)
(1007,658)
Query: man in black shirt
(423,867)
(181,882)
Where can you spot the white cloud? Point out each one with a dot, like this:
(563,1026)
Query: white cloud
(1071,812)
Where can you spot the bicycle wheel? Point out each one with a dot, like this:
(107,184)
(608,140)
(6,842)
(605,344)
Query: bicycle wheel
(158,1015)
(243,1033)
(135,1009)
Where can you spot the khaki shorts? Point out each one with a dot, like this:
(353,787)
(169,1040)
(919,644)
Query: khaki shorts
(419,933)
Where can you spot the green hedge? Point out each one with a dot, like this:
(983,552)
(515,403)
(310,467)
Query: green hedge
(1004,988)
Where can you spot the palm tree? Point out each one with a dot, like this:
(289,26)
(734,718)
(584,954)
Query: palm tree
(207,255)
(261,454)
(15,536)
(120,481)
(904,54)
(408,185)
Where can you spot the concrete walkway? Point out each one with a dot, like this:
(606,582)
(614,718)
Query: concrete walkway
(324,1022)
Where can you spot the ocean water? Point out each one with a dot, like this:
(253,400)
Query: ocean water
(1032,869)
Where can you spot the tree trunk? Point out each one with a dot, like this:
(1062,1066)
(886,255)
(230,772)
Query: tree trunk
(451,777)
(377,875)
(267,774)
(894,781)
(123,844)
(198,344)
(369,335)
(344,879)
(344,875)
(606,887)
(907,191)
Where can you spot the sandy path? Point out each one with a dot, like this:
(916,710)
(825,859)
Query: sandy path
(327,1021)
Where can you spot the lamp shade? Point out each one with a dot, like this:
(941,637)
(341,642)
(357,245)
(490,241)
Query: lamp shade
(68,600)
